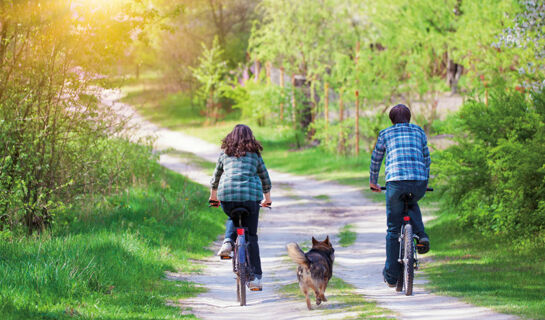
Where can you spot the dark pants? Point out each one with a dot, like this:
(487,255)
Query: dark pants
(251,223)
(394,215)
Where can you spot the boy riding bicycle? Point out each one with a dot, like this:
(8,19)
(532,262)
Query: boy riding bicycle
(240,180)
(407,170)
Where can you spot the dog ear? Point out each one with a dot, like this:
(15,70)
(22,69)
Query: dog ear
(327,241)
(314,241)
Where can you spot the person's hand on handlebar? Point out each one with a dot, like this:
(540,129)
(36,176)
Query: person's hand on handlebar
(374,187)
(266,203)
(213,200)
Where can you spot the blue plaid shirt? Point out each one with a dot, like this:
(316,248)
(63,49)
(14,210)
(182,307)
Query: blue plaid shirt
(407,154)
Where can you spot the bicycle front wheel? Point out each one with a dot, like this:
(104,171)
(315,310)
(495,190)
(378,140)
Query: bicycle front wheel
(242,275)
(235,267)
(408,260)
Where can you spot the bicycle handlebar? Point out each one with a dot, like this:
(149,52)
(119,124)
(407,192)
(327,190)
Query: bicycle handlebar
(216,204)
(213,203)
(384,188)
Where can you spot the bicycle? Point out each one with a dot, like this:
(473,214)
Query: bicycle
(408,257)
(241,257)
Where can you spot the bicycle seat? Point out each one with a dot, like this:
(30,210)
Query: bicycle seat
(239,212)
(406,196)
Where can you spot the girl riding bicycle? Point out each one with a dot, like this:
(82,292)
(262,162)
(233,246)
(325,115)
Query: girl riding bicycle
(240,180)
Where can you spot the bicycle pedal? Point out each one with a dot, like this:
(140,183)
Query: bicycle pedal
(225,257)
(256,289)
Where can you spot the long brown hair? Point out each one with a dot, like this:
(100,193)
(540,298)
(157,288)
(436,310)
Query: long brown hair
(239,141)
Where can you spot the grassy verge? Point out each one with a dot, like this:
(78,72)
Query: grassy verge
(106,260)
(492,272)
(341,297)
(347,237)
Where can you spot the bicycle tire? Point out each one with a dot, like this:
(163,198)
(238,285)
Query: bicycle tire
(399,283)
(235,266)
(241,283)
(242,275)
(408,260)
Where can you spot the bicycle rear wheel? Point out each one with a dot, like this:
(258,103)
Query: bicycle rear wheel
(408,260)
(241,285)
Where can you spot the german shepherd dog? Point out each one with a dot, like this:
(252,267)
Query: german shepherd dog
(315,267)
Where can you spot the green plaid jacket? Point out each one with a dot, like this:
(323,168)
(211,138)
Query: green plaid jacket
(241,179)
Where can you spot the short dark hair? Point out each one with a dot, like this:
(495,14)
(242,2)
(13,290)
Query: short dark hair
(400,114)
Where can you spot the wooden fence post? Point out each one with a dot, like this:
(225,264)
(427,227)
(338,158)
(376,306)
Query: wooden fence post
(257,70)
(357,133)
(357,103)
(313,99)
(326,108)
(293,112)
(268,71)
(282,86)
(341,119)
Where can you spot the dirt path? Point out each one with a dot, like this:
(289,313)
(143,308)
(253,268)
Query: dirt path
(300,211)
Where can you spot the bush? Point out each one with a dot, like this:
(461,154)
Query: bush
(494,176)
(56,142)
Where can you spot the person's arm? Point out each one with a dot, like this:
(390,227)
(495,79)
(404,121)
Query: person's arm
(427,158)
(376,161)
(216,179)
(265,179)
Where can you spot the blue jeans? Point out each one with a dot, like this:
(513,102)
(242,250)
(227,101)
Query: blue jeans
(394,216)
(251,223)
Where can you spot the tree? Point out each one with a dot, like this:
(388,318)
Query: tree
(528,34)
(56,142)
(211,73)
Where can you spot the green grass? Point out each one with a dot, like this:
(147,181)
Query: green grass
(170,110)
(323,197)
(106,259)
(347,237)
(493,272)
(192,158)
(474,268)
(341,297)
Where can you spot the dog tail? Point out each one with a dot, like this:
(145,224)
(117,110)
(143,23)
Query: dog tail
(296,254)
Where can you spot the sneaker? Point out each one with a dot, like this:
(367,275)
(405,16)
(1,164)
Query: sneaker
(225,250)
(255,285)
(390,285)
(423,245)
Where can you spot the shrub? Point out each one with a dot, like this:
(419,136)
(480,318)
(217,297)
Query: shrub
(494,176)
(56,142)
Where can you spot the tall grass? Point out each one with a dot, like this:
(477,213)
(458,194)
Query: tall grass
(107,259)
